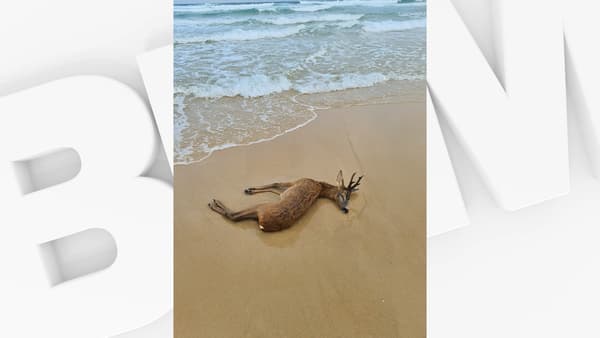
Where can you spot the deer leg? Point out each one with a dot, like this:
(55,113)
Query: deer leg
(250,213)
(257,191)
(220,208)
(276,188)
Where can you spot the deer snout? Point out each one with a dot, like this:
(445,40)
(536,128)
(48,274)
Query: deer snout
(345,210)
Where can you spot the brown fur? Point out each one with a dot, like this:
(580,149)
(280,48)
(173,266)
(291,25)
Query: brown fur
(295,199)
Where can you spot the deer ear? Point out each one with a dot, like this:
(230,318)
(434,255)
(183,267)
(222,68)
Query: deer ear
(340,179)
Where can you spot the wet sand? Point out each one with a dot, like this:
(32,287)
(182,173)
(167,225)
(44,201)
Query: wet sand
(360,274)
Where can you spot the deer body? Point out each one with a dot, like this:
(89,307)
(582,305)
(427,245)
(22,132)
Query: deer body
(295,202)
(295,199)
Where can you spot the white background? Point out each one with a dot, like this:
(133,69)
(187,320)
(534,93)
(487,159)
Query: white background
(43,41)
(532,272)
(529,273)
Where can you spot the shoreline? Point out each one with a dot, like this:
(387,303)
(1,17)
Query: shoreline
(228,146)
(303,124)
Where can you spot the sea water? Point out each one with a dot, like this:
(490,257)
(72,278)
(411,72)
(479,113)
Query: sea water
(248,72)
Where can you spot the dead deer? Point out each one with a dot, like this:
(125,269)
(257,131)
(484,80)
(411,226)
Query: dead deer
(295,199)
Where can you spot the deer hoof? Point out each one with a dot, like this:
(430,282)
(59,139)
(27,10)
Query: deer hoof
(218,207)
(248,191)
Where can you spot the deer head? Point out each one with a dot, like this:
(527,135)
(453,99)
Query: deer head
(343,194)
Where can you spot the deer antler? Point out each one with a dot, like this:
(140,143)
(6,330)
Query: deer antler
(352,186)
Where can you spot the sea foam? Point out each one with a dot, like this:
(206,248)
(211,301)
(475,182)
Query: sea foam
(246,86)
(216,8)
(240,34)
(390,26)
(313,6)
(262,85)
(290,20)
(341,82)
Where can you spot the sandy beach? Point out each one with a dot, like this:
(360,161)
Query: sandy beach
(361,274)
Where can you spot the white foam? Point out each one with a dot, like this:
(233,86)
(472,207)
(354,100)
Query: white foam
(212,21)
(247,86)
(348,3)
(341,82)
(211,150)
(274,20)
(262,85)
(210,8)
(347,24)
(312,6)
(390,26)
(243,34)
(180,123)
(317,55)
(282,20)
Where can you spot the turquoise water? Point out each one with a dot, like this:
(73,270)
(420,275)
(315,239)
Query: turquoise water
(248,72)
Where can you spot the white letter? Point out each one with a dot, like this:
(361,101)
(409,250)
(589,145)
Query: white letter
(108,126)
(516,135)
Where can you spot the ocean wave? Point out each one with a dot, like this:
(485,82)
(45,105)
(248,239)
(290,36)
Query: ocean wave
(246,86)
(316,6)
(415,3)
(313,6)
(272,20)
(345,24)
(309,18)
(293,6)
(389,26)
(341,82)
(243,34)
(212,21)
(262,85)
(348,3)
(212,8)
